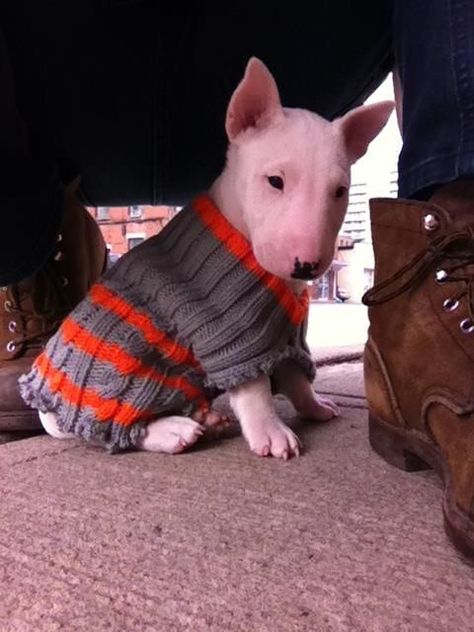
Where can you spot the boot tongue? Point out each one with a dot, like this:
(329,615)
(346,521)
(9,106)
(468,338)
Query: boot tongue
(458,199)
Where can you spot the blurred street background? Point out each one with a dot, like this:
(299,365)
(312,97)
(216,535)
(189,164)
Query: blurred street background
(336,325)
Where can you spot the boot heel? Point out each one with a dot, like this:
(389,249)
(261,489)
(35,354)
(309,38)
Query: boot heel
(391,444)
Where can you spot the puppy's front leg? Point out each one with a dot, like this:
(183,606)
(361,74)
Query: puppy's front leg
(264,431)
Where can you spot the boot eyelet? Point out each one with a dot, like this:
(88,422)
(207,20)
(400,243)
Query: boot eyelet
(431,222)
(8,306)
(12,326)
(450,305)
(11,346)
(64,281)
(441,276)
(467,326)
(59,256)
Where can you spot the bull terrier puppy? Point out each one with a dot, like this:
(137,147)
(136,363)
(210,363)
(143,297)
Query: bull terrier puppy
(217,301)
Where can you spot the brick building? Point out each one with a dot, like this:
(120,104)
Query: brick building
(124,227)
(327,287)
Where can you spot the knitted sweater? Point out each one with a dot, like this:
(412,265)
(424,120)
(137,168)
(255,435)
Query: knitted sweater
(183,316)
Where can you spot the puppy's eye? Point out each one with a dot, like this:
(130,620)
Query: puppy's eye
(341,192)
(276,182)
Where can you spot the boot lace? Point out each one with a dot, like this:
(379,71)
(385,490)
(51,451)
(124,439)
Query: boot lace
(452,256)
(48,307)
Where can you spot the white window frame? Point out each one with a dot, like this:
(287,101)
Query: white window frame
(129,236)
(135,211)
(103,209)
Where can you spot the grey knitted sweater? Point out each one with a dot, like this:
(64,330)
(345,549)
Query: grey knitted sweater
(183,316)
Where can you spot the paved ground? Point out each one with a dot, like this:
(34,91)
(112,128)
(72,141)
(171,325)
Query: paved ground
(218,539)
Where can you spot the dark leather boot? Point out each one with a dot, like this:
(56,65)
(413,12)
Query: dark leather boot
(419,358)
(32,310)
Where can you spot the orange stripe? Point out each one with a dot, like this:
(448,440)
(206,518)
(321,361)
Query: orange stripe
(304,298)
(104,409)
(121,413)
(238,245)
(112,302)
(110,352)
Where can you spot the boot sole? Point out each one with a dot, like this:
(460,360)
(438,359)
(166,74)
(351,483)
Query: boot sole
(412,451)
(20,420)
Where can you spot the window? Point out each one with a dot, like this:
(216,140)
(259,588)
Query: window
(102,212)
(134,211)
(134,241)
(324,285)
(368,278)
(356,222)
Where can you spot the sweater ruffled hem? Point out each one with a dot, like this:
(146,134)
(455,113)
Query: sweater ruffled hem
(112,436)
(264,366)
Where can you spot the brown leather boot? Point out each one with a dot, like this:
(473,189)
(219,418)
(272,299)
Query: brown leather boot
(32,310)
(419,358)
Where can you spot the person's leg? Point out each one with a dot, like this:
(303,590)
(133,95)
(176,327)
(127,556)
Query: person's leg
(132,95)
(31,193)
(434,48)
(419,359)
(51,250)
(326,56)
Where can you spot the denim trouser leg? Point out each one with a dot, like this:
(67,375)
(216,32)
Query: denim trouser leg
(31,193)
(434,48)
(13,135)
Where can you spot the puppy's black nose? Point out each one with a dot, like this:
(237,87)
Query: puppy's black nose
(305,271)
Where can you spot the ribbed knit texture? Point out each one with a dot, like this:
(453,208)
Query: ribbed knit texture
(184,315)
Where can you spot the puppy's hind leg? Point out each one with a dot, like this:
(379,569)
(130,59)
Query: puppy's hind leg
(50,424)
(170,434)
(291,382)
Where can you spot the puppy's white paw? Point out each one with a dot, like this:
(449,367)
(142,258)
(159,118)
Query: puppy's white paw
(50,424)
(170,434)
(272,438)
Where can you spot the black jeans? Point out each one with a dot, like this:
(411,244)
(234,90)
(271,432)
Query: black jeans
(132,95)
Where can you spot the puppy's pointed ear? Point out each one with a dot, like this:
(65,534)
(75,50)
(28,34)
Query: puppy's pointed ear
(361,125)
(255,102)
